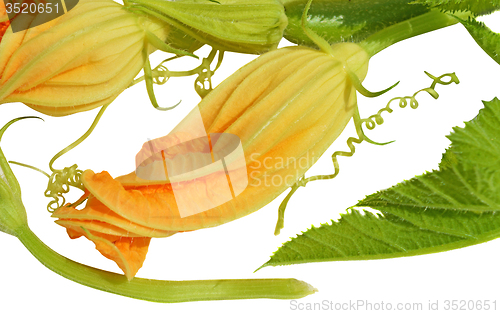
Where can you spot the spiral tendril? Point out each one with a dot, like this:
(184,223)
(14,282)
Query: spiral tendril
(61,180)
(370,123)
(59,183)
(377,118)
(203,83)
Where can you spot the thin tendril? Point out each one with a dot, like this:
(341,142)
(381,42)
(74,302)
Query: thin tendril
(61,180)
(81,139)
(377,118)
(318,40)
(5,127)
(205,73)
(370,124)
(161,74)
(30,167)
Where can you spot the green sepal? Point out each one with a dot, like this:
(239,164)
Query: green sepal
(362,90)
(12,212)
(159,44)
(180,40)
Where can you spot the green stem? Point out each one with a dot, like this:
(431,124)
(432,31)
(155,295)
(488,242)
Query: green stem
(81,139)
(281,211)
(421,24)
(161,290)
(30,167)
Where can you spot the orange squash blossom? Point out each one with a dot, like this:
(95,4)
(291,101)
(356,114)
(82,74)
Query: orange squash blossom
(287,105)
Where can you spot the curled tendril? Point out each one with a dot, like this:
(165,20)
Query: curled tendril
(377,118)
(370,124)
(60,182)
(203,83)
(205,74)
(158,77)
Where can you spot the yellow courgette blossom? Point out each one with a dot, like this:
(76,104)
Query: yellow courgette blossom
(76,62)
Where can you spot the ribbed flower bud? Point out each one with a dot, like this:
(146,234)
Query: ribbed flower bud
(247,26)
(76,62)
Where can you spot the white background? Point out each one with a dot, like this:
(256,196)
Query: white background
(236,249)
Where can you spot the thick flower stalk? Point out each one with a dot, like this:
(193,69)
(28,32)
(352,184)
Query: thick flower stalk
(284,109)
(347,21)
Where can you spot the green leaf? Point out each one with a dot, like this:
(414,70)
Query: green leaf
(484,37)
(453,188)
(478,142)
(438,211)
(358,236)
(476,7)
(453,207)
